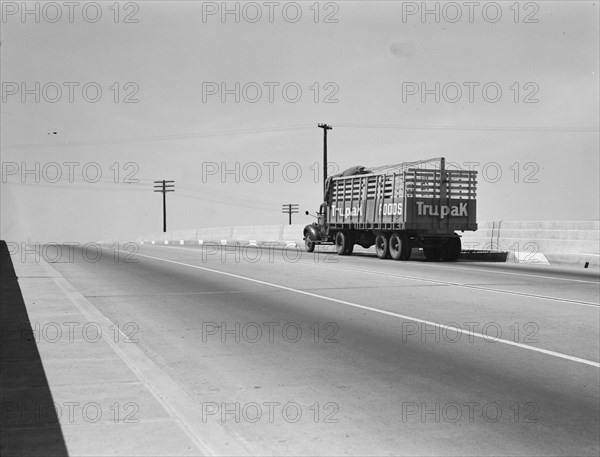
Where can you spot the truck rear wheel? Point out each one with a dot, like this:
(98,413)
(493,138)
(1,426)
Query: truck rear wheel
(343,243)
(350,249)
(382,243)
(451,251)
(398,246)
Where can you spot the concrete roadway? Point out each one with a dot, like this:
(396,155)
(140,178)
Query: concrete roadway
(314,354)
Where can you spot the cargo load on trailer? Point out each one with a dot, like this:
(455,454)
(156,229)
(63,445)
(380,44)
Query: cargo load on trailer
(397,208)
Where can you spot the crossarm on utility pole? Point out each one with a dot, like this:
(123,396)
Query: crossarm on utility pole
(164,186)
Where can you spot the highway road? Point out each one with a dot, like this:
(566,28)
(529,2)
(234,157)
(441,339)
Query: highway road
(291,353)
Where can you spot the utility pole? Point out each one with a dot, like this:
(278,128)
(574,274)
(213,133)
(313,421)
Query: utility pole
(164,187)
(290,208)
(325,127)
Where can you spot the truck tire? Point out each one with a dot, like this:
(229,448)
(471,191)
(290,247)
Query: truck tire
(350,247)
(432,253)
(451,251)
(343,243)
(308,243)
(382,243)
(398,246)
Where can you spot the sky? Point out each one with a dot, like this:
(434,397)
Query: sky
(101,99)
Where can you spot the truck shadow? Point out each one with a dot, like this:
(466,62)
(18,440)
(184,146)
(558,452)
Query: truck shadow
(417,256)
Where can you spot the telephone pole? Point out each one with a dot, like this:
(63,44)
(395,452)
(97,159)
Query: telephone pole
(164,187)
(290,208)
(325,127)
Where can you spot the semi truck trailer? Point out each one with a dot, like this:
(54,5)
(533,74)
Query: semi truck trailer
(397,208)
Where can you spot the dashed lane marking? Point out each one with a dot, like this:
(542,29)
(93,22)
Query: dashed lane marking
(456,284)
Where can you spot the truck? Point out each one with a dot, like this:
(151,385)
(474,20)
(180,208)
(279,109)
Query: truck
(397,208)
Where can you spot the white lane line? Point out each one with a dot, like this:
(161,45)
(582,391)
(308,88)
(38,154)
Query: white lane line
(449,283)
(388,313)
(468,286)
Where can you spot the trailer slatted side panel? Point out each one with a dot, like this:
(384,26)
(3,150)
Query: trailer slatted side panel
(405,198)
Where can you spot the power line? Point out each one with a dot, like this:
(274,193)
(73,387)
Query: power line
(224,194)
(266,207)
(217,197)
(475,128)
(175,137)
(80,185)
(157,138)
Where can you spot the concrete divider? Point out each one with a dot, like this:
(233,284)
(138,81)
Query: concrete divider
(558,242)
(293,232)
(215,234)
(257,232)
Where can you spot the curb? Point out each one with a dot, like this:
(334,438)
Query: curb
(166,422)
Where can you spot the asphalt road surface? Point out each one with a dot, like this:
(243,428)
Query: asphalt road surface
(304,354)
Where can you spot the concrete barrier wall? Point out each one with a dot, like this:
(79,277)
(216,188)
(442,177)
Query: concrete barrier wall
(257,232)
(545,236)
(556,241)
(242,234)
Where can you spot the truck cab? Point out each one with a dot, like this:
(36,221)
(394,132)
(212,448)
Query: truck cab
(316,232)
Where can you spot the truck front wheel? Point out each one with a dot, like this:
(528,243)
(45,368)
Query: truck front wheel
(382,243)
(310,244)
